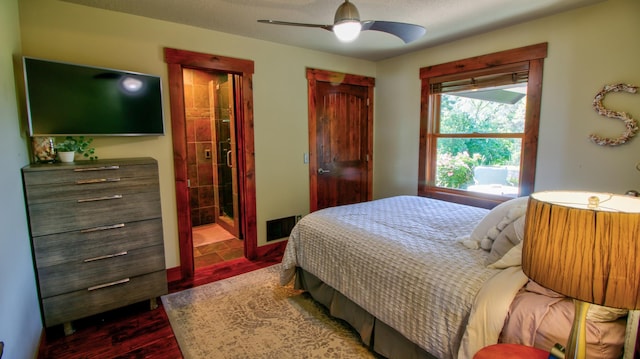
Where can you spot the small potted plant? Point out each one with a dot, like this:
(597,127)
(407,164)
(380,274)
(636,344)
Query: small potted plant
(72,145)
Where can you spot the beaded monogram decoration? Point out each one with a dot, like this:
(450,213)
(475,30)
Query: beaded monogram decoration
(631,125)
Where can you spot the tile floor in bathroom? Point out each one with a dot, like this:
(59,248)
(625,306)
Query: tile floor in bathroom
(212,245)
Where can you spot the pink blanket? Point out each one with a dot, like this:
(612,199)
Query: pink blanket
(541,318)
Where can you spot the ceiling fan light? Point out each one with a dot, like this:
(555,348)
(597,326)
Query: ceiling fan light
(347,31)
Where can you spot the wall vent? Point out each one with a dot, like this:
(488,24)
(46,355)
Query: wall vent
(280,228)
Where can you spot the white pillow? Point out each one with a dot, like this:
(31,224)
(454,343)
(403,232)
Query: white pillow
(518,225)
(511,245)
(502,244)
(512,258)
(515,213)
(494,217)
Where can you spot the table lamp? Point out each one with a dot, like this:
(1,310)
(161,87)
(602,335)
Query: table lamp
(586,246)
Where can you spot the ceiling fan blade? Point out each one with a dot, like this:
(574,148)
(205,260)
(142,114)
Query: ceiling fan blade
(407,32)
(287,23)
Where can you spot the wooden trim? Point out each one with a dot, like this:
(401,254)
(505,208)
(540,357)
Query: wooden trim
(177,60)
(423,164)
(312,84)
(534,55)
(272,250)
(186,58)
(340,78)
(479,200)
(174,274)
(178,134)
(370,140)
(527,53)
(246,167)
(313,77)
(532,124)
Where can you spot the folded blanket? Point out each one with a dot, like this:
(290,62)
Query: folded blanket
(489,311)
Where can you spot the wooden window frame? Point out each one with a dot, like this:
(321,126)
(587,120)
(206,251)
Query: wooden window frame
(534,55)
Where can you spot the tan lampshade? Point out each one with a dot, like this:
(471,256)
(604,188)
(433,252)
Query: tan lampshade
(588,252)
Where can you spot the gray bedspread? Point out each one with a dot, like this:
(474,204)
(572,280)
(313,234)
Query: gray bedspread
(400,259)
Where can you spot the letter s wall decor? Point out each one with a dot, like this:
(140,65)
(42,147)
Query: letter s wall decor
(630,124)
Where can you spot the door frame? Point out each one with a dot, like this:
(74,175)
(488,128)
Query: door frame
(177,60)
(313,77)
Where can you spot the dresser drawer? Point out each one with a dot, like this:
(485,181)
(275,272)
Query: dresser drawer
(83,303)
(59,248)
(61,173)
(39,194)
(98,270)
(90,212)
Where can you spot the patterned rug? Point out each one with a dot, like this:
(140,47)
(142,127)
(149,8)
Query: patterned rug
(252,316)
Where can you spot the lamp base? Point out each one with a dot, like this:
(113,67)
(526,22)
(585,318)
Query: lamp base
(577,343)
(557,352)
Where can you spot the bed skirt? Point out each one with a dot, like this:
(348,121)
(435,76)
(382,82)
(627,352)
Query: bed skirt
(379,337)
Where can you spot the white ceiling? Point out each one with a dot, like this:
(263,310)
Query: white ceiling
(445,20)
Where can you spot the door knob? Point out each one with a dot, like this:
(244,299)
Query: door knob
(322,171)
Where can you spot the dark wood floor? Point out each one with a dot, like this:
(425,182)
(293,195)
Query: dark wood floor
(135,331)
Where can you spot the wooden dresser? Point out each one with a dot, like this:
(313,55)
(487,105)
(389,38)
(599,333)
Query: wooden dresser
(96,233)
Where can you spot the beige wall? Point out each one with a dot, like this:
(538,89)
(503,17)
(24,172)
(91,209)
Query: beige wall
(588,48)
(67,32)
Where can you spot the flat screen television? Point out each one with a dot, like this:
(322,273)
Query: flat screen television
(69,99)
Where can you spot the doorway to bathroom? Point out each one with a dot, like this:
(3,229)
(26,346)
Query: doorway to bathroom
(219,140)
(210,114)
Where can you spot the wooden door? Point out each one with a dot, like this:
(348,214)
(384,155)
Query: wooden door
(340,138)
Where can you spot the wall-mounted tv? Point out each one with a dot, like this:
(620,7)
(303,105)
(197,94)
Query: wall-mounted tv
(70,99)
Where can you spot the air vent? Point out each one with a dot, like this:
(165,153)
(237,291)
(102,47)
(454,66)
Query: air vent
(280,228)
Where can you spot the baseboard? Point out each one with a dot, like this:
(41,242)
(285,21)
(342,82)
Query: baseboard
(174,275)
(271,250)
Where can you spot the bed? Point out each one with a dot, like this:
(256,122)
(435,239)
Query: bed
(423,278)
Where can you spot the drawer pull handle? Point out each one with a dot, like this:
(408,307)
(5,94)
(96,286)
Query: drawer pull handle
(86,169)
(102,228)
(110,284)
(105,257)
(116,196)
(98,180)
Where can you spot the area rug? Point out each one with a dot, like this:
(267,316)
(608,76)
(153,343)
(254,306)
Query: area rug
(253,316)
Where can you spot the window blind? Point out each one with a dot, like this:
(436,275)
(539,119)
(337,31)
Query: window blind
(473,80)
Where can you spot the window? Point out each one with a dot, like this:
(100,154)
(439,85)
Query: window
(479,127)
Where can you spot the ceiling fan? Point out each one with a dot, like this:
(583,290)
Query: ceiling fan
(347,25)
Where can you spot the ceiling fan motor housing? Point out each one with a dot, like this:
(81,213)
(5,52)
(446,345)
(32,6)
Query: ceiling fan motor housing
(346,12)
